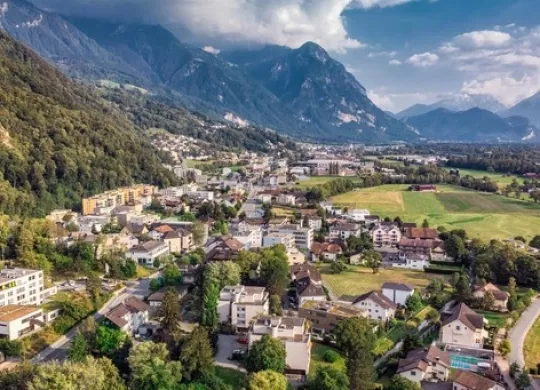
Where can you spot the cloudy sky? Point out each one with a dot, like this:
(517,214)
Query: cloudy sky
(402,51)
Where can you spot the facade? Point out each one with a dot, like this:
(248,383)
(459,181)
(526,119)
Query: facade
(294,256)
(418,247)
(129,316)
(179,240)
(303,237)
(18,320)
(325,251)
(324,316)
(386,234)
(426,364)
(286,199)
(376,305)
(308,289)
(105,202)
(463,327)
(410,261)
(285,239)
(148,252)
(358,215)
(342,231)
(155,299)
(397,292)
(20,286)
(291,331)
(239,305)
(466,380)
(501,297)
(313,222)
(252,238)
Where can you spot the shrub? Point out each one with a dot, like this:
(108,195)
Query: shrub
(331,356)
(533,371)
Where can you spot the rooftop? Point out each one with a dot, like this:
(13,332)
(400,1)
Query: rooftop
(13,312)
(335,308)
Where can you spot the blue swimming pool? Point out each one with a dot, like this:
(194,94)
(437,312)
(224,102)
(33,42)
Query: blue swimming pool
(467,363)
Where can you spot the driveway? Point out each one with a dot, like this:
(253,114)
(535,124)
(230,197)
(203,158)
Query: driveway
(520,330)
(226,345)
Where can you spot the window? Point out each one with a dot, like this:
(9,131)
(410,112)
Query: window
(458,327)
(413,373)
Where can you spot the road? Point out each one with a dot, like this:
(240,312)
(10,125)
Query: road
(58,350)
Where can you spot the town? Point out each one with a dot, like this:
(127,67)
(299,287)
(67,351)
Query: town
(314,269)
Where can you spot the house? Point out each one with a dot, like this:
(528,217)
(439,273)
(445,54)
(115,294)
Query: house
(466,380)
(377,305)
(148,252)
(425,364)
(158,232)
(409,261)
(137,229)
(239,305)
(155,299)
(463,327)
(324,316)
(501,297)
(303,237)
(397,292)
(358,215)
(19,320)
(308,289)
(286,199)
(427,247)
(223,249)
(294,256)
(285,239)
(415,233)
(291,331)
(325,251)
(386,234)
(129,316)
(313,222)
(342,231)
(300,271)
(372,219)
(179,240)
(189,273)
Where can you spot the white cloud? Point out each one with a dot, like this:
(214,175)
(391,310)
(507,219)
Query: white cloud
(211,50)
(3,9)
(397,102)
(508,90)
(483,39)
(423,60)
(390,54)
(380,3)
(394,62)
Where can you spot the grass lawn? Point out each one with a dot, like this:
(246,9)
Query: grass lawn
(234,378)
(495,319)
(318,180)
(317,358)
(482,215)
(280,211)
(531,348)
(143,272)
(502,180)
(194,163)
(359,280)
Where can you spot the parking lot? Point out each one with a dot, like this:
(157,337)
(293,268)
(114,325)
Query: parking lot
(226,346)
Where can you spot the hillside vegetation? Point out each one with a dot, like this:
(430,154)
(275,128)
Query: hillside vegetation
(58,141)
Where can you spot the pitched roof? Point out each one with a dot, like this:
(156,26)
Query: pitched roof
(466,315)
(398,286)
(136,228)
(302,270)
(471,380)
(410,242)
(497,293)
(130,305)
(163,229)
(305,287)
(159,295)
(379,298)
(422,233)
(421,359)
(325,247)
(147,246)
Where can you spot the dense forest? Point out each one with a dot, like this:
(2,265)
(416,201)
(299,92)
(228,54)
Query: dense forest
(147,112)
(59,141)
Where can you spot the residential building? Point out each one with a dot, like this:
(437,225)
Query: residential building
(324,316)
(155,299)
(325,251)
(303,237)
(358,215)
(173,192)
(463,327)
(428,247)
(19,320)
(501,297)
(342,231)
(291,331)
(386,234)
(239,305)
(397,292)
(425,364)
(105,202)
(300,271)
(466,380)
(129,316)
(251,238)
(20,286)
(313,222)
(223,249)
(179,240)
(285,239)
(377,305)
(308,289)
(286,199)
(148,252)
(415,233)
(294,256)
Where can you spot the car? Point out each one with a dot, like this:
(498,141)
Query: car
(237,354)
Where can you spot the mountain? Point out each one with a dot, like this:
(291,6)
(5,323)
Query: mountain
(455,102)
(59,141)
(322,94)
(472,125)
(529,108)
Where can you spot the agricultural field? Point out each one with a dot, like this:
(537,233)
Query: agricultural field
(319,180)
(487,216)
(502,180)
(531,347)
(359,280)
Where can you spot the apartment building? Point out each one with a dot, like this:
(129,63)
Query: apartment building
(179,240)
(148,252)
(250,238)
(19,286)
(386,234)
(324,316)
(239,305)
(291,331)
(303,237)
(18,320)
(105,202)
(285,239)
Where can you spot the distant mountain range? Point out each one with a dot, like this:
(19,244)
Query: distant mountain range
(529,108)
(472,125)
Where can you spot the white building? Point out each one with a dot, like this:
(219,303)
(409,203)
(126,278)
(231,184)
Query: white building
(303,237)
(286,199)
(238,305)
(343,231)
(250,238)
(376,305)
(148,252)
(410,261)
(386,234)
(463,327)
(129,316)
(291,331)
(358,215)
(172,192)
(426,364)
(19,286)
(18,320)
(397,292)
(314,223)
(286,239)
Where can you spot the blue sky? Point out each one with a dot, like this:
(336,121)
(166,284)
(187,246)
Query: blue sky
(402,51)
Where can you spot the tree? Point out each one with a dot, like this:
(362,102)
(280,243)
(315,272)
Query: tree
(93,287)
(425,223)
(523,381)
(411,340)
(373,260)
(413,303)
(275,269)
(108,339)
(338,267)
(169,311)
(266,354)
(171,275)
(454,247)
(150,368)
(275,305)
(79,349)
(505,347)
(435,286)
(463,288)
(267,380)
(198,229)
(329,378)
(197,355)
(155,284)
(488,301)
(535,242)
(401,383)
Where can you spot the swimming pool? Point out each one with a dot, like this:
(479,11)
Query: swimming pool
(468,363)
